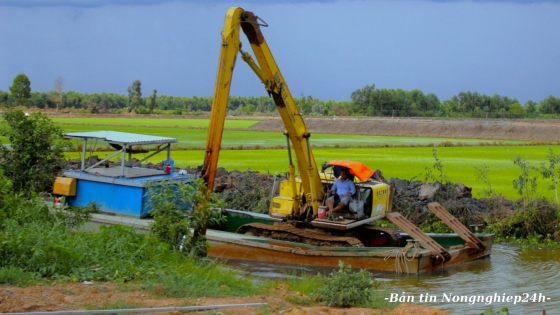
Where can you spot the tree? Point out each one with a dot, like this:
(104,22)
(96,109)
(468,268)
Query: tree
(21,89)
(549,171)
(362,100)
(153,101)
(550,105)
(35,153)
(58,94)
(516,110)
(531,107)
(135,94)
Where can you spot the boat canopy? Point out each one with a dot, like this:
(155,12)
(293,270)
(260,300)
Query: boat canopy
(357,169)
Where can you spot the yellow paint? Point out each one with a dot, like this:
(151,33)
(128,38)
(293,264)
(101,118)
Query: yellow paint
(64,186)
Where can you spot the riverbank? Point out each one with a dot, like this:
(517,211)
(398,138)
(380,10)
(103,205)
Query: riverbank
(105,295)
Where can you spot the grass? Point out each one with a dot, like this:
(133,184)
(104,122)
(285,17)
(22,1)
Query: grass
(192,138)
(16,275)
(37,246)
(118,305)
(407,163)
(192,133)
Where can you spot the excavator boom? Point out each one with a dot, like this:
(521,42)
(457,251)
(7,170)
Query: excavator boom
(270,75)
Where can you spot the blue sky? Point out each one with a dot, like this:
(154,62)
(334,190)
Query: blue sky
(326,49)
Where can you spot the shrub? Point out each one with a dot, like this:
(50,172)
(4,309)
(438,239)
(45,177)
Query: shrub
(180,211)
(35,153)
(539,216)
(13,275)
(345,288)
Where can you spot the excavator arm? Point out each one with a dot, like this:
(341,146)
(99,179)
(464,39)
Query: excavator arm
(311,191)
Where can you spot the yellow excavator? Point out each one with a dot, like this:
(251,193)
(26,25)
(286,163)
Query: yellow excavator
(297,198)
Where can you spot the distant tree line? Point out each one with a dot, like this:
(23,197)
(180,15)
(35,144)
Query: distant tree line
(367,101)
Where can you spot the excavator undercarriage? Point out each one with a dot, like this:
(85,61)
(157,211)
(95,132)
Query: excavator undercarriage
(365,236)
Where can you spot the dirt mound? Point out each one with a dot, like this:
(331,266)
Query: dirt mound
(251,191)
(537,130)
(411,199)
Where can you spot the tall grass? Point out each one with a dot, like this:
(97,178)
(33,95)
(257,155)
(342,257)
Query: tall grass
(51,250)
(36,244)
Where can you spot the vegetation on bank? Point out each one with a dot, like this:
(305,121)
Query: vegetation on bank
(531,221)
(34,155)
(367,101)
(42,244)
(39,245)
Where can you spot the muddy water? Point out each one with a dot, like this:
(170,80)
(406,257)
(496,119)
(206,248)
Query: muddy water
(509,271)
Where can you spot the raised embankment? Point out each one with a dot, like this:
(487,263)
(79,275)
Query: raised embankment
(495,129)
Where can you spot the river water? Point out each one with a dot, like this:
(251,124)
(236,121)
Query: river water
(509,271)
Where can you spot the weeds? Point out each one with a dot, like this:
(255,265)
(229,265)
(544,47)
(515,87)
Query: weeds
(76,216)
(345,288)
(538,216)
(532,241)
(15,275)
(298,300)
(549,171)
(482,175)
(438,166)
(525,184)
(489,311)
(179,211)
(118,305)
(194,278)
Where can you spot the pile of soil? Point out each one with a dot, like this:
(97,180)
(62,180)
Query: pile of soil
(495,129)
(411,199)
(77,296)
(251,191)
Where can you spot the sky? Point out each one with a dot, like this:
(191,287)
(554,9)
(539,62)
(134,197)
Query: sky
(325,49)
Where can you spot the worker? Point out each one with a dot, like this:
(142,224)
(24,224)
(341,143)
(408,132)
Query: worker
(344,188)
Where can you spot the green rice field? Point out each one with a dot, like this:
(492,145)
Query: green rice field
(182,130)
(395,156)
(407,163)
(192,133)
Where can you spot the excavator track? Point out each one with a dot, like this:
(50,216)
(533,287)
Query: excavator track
(287,232)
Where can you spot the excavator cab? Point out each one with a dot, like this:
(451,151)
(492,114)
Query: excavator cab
(372,198)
